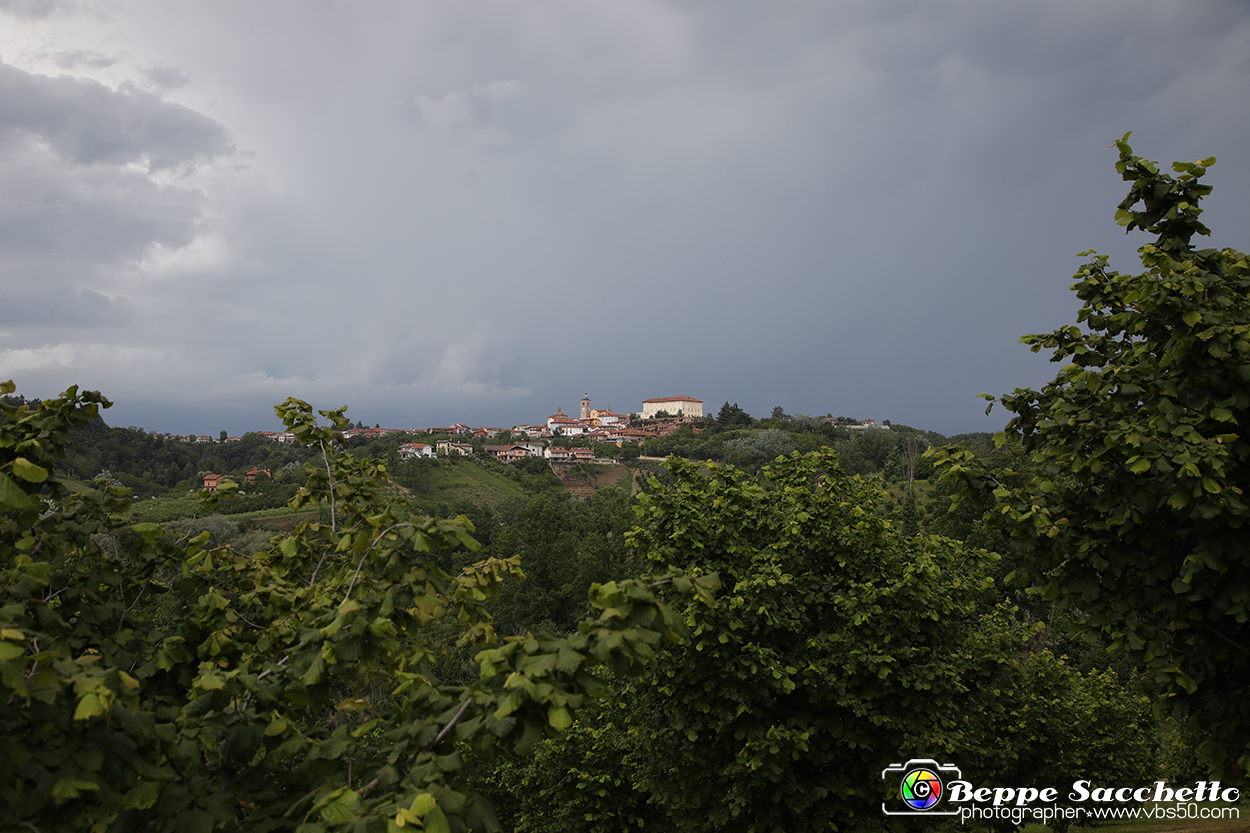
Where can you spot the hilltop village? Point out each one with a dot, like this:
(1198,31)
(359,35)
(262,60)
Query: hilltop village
(657,418)
(560,438)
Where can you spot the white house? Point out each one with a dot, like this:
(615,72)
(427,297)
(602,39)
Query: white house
(448,447)
(410,451)
(534,449)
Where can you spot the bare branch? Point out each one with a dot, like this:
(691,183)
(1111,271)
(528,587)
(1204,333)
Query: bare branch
(463,708)
(366,555)
(329,485)
(265,674)
(312,580)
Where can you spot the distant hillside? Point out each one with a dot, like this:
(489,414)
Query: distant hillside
(488,481)
(153,465)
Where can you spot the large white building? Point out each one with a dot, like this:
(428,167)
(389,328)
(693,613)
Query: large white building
(673,405)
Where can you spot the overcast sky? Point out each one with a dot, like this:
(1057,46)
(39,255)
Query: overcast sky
(478,211)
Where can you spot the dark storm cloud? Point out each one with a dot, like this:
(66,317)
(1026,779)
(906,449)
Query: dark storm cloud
(59,306)
(479,212)
(57,220)
(79,207)
(86,123)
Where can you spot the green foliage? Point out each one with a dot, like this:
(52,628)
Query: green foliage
(759,448)
(221,530)
(910,513)
(565,545)
(838,646)
(867,452)
(748,444)
(1137,513)
(833,632)
(1045,724)
(153,465)
(599,753)
(731,416)
(173,686)
(967,520)
(1178,759)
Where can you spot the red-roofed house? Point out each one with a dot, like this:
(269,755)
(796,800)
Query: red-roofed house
(508,453)
(409,451)
(251,474)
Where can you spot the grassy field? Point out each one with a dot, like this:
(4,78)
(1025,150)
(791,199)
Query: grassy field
(610,476)
(471,481)
(162,509)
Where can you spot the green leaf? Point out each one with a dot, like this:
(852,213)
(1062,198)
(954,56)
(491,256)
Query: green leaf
(364,729)
(422,804)
(72,788)
(9,650)
(28,471)
(1179,500)
(11,496)
(339,806)
(211,682)
(568,660)
(142,796)
(436,821)
(559,717)
(89,706)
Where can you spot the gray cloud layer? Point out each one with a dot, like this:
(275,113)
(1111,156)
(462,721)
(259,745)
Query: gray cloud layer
(477,212)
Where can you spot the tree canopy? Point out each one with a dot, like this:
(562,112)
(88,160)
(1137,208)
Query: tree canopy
(732,416)
(838,646)
(1136,515)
